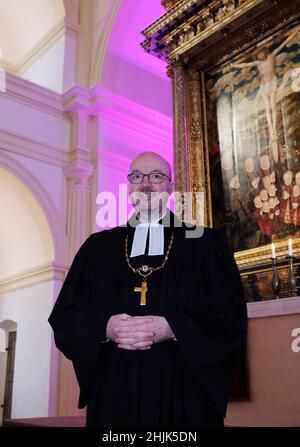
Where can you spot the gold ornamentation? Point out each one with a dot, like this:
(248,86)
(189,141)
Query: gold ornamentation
(143,290)
(179,39)
(196,128)
(198,159)
(168,4)
(225,8)
(180,162)
(146,270)
(177,10)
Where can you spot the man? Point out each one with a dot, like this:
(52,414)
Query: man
(151,319)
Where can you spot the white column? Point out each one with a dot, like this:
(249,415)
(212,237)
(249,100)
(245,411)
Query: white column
(79,171)
(78,226)
(79,180)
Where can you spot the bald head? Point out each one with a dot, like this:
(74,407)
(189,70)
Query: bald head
(150,161)
(147,202)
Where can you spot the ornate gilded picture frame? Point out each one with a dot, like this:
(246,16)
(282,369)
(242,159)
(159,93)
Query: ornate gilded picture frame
(235,69)
(253,103)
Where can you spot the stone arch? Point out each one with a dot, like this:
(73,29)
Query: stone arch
(18,41)
(43,199)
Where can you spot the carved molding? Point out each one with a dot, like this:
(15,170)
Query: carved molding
(197,27)
(12,165)
(198,159)
(233,41)
(31,148)
(65,27)
(180,159)
(36,275)
(32,95)
(79,176)
(168,4)
(173,14)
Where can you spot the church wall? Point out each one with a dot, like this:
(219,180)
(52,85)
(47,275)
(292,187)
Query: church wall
(126,128)
(35,136)
(136,100)
(51,177)
(127,79)
(33,113)
(34,140)
(44,53)
(273,376)
(48,69)
(26,240)
(2,340)
(30,307)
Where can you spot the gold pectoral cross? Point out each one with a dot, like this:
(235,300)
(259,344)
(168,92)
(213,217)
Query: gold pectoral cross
(143,289)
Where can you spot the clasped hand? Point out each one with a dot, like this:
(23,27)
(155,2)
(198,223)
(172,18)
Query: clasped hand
(138,332)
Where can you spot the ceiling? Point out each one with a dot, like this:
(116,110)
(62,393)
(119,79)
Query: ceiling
(23,23)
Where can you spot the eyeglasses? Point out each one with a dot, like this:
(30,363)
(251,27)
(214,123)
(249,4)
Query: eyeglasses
(153,177)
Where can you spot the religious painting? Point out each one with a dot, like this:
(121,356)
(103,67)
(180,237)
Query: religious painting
(253,104)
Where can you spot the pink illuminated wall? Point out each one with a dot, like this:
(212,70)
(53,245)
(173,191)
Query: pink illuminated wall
(137,103)
(134,16)
(132,81)
(128,69)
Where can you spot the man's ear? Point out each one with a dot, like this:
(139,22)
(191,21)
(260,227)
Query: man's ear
(171,187)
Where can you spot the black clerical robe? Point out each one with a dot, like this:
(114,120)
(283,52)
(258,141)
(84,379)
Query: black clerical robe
(174,383)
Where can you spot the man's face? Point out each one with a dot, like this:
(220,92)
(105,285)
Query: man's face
(288,177)
(262,55)
(149,196)
(265,162)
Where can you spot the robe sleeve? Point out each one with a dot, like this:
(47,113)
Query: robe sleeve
(78,327)
(211,331)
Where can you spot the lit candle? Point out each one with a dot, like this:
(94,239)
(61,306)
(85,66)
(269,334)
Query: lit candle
(273,251)
(290,247)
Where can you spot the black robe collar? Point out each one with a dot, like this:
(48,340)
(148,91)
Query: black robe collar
(169,220)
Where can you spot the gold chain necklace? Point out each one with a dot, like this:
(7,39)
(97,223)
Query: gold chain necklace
(145,270)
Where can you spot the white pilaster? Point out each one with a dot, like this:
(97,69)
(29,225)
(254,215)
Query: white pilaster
(78,175)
